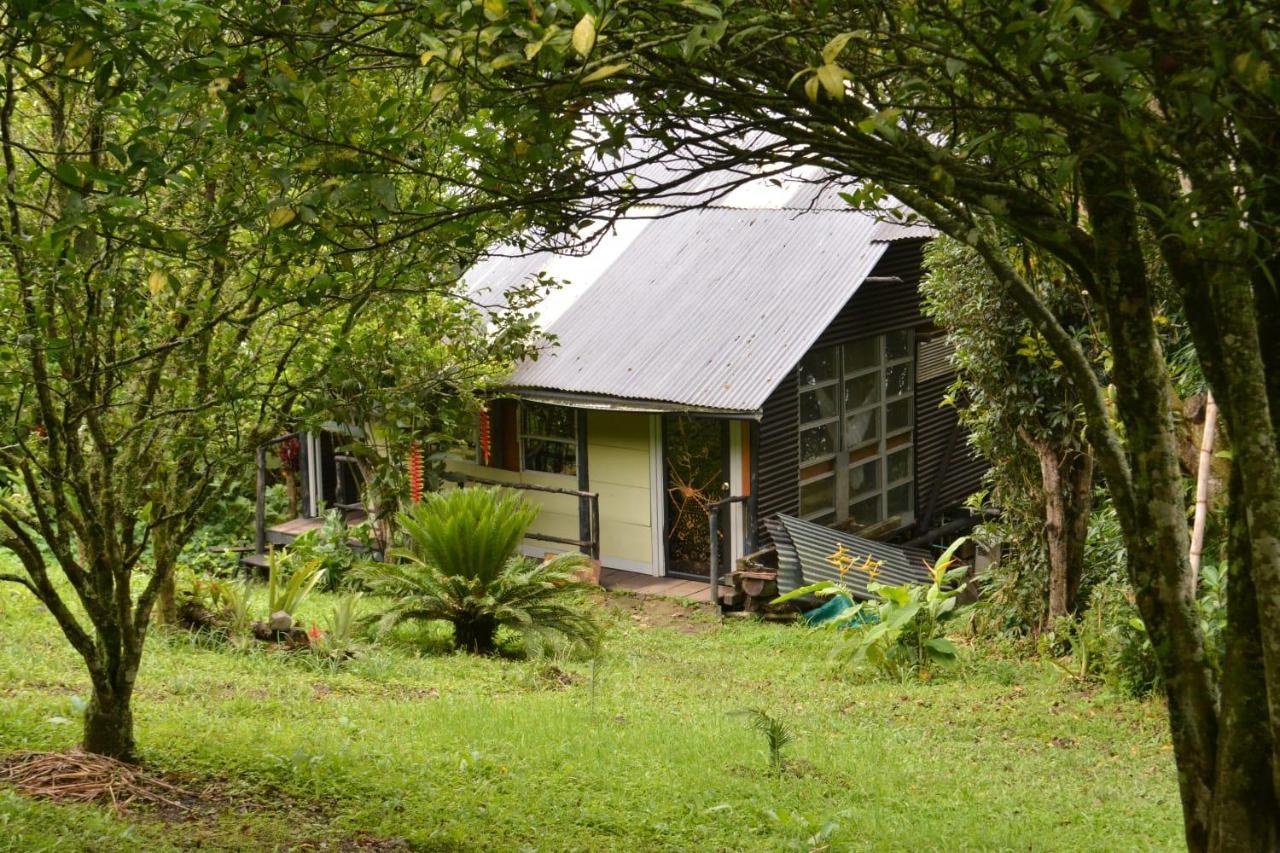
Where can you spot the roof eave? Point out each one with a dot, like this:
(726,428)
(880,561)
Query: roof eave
(610,403)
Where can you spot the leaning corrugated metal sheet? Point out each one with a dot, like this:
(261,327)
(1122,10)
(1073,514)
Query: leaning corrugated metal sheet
(804,551)
(707,308)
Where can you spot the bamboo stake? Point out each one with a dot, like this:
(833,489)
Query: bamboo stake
(1202,487)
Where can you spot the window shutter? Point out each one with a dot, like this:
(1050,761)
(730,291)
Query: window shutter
(505,434)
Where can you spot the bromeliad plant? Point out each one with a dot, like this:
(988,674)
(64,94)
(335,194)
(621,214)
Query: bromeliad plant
(902,632)
(461,564)
(290,581)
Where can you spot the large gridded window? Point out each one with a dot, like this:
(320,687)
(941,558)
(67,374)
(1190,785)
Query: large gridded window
(856,419)
(548,439)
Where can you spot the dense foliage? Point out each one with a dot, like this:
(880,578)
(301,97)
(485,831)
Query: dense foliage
(191,236)
(1025,417)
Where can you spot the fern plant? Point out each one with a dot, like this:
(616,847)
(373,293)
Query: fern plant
(777,734)
(461,564)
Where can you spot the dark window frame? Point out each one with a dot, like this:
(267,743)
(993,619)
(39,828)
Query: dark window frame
(570,440)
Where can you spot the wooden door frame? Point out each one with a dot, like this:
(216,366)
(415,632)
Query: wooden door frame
(661,502)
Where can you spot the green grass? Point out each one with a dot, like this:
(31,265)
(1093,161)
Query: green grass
(450,752)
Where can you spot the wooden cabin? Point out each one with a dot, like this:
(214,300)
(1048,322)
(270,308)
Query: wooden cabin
(764,350)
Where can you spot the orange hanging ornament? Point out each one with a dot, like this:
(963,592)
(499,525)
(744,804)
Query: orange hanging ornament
(415,473)
(484,437)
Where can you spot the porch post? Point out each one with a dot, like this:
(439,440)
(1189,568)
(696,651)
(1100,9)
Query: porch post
(714,567)
(585,525)
(260,503)
(753,486)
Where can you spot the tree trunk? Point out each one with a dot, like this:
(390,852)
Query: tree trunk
(476,635)
(108,723)
(1245,816)
(164,552)
(167,602)
(1067,483)
(1154,517)
(1204,472)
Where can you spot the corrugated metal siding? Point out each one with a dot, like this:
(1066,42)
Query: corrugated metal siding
(933,358)
(876,308)
(710,308)
(934,426)
(804,549)
(778,477)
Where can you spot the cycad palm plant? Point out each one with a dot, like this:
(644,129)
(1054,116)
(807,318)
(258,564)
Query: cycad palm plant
(461,563)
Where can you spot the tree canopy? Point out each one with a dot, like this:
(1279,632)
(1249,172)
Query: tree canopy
(1085,129)
(194,242)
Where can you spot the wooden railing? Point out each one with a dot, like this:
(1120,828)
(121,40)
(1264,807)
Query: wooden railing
(713,518)
(589,538)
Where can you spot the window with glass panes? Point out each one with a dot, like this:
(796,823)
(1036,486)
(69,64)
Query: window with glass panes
(548,438)
(856,421)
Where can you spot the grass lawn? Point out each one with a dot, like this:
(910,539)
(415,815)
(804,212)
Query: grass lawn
(407,748)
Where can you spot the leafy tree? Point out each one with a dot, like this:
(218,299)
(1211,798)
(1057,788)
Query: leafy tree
(183,212)
(1074,127)
(406,375)
(1023,414)
(462,564)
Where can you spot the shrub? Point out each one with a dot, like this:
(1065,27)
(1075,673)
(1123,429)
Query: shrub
(903,631)
(461,564)
(1109,643)
(232,599)
(329,548)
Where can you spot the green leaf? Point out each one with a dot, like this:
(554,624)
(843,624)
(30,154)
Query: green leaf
(584,35)
(439,91)
(703,8)
(495,9)
(902,615)
(832,77)
(811,88)
(156,281)
(78,56)
(942,647)
(835,46)
(605,71)
(505,60)
(67,172)
(281,217)
(819,588)
(1112,67)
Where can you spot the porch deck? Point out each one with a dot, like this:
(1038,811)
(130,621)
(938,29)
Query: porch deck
(634,582)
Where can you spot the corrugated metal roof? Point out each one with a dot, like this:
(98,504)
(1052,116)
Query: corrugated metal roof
(804,549)
(710,307)
(889,231)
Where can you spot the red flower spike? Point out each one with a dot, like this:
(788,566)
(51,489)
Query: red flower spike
(485,436)
(415,473)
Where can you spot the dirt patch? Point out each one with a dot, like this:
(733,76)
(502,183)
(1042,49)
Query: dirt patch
(552,677)
(651,611)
